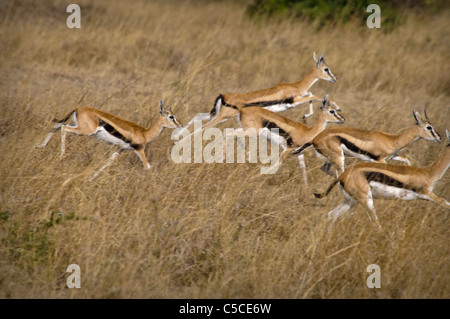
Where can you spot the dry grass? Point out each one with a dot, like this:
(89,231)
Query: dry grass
(205,230)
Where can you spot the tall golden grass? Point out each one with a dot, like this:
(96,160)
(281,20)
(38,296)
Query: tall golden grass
(206,230)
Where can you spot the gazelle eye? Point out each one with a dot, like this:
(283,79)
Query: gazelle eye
(331,111)
(429,128)
(171,117)
(326,69)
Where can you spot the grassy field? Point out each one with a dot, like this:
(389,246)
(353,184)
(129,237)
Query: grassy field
(206,230)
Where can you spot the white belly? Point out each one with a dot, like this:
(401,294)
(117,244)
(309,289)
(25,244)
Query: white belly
(357,155)
(104,136)
(276,138)
(280,107)
(380,190)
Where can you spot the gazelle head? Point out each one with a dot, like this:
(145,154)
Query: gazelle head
(168,118)
(323,71)
(331,111)
(427,130)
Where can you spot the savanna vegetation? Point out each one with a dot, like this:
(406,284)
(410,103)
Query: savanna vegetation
(207,230)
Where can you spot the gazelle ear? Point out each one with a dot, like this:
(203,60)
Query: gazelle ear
(319,61)
(448,134)
(324,102)
(315,57)
(426,116)
(163,111)
(417,117)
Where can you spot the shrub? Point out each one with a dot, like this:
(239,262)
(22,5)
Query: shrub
(340,11)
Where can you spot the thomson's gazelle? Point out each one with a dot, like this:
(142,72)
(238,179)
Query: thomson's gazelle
(112,130)
(291,134)
(279,98)
(362,182)
(336,142)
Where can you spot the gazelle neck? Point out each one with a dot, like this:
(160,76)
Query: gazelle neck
(319,124)
(440,166)
(406,137)
(308,81)
(154,130)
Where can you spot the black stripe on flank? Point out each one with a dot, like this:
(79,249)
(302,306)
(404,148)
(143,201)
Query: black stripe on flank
(386,180)
(270,125)
(111,130)
(231,105)
(352,147)
(269,103)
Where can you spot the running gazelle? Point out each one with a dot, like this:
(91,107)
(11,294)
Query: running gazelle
(334,143)
(112,130)
(291,134)
(362,182)
(279,98)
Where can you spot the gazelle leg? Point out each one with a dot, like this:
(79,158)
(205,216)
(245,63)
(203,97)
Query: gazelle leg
(311,111)
(301,162)
(401,159)
(368,204)
(240,132)
(141,154)
(198,117)
(53,131)
(439,200)
(221,117)
(109,162)
(284,154)
(64,130)
(218,119)
(238,140)
(326,167)
(363,194)
(346,205)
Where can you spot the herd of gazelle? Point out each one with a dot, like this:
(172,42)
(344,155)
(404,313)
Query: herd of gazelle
(258,111)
